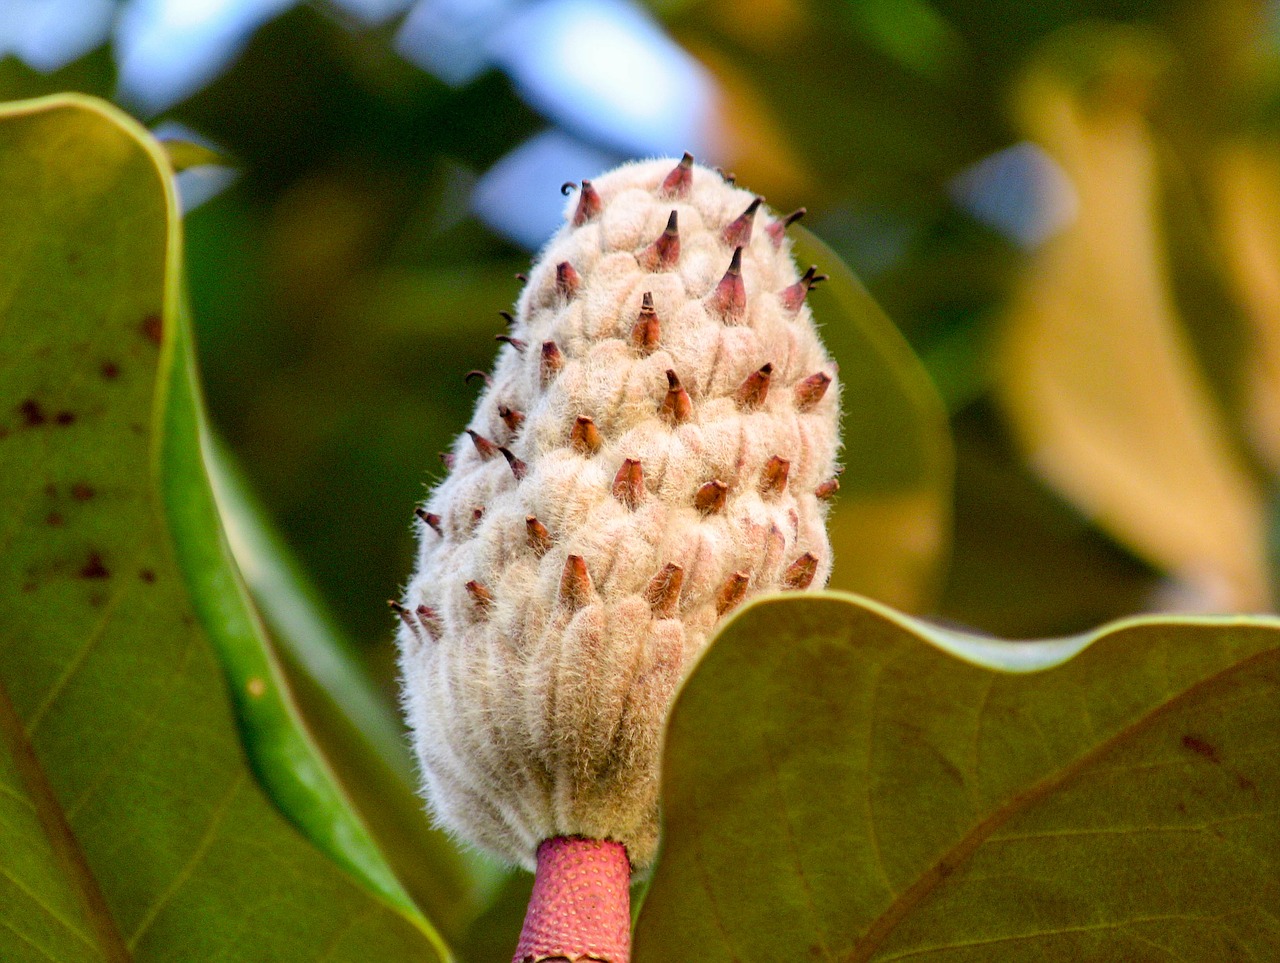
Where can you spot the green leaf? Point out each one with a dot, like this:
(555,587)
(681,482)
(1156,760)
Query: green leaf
(133,823)
(889,531)
(361,734)
(846,783)
(185,154)
(911,32)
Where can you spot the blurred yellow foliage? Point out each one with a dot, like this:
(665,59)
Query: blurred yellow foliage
(1096,373)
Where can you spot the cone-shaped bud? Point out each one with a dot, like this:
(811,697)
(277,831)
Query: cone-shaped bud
(800,572)
(588,205)
(484,447)
(810,390)
(778,229)
(753,391)
(585,436)
(448,459)
(792,297)
(676,408)
(432,520)
(663,253)
(567,280)
(575,583)
(738,232)
(827,490)
(552,361)
(507,339)
(711,497)
(429,619)
(646,331)
(510,417)
(628,483)
(727,176)
(728,301)
(480,595)
(538,536)
(639,301)
(518,468)
(732,592)
(663,591)
(680,180)
(477,373)
(773,480)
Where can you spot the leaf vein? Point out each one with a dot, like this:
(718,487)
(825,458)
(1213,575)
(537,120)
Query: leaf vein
(197,856)
(934,875)
(795,850)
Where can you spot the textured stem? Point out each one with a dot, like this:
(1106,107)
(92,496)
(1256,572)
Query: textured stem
(580,908)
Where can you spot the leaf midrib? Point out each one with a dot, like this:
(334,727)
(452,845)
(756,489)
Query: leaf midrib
(59,832)
(945,867)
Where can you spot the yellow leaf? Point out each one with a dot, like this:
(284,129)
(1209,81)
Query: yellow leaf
(1248,204)
(1095,372)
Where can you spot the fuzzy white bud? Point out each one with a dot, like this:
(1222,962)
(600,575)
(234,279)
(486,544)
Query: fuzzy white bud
(654,446)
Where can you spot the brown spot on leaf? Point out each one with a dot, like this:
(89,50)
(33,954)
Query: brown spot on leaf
(53,519)
(94,568)
(1245,783)
(33,415)
(147,576)
(82,492)
(51,489)
(1201,748)
(152,328)
(4,432)
(110,370)
(65,417)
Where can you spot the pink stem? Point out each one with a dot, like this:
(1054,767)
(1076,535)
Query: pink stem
(580,908)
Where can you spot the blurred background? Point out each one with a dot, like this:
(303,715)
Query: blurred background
(1069,208)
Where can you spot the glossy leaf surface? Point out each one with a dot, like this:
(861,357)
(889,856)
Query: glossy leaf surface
(845,783)
(134,825)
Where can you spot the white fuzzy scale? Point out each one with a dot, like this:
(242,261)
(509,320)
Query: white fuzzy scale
(566,585)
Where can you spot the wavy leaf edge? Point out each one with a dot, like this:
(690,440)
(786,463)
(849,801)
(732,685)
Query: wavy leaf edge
(988,651)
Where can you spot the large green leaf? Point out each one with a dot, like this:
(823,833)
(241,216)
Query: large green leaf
(891,525)
(362,735)
(845,783)
(132,820)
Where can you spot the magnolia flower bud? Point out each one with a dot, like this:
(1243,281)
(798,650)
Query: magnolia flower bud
(648,453)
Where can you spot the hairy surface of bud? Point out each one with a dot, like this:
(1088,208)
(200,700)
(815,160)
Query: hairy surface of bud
(666,418)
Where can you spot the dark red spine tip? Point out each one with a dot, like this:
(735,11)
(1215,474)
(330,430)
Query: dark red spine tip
(778,229)
(680,181)
(588,205)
